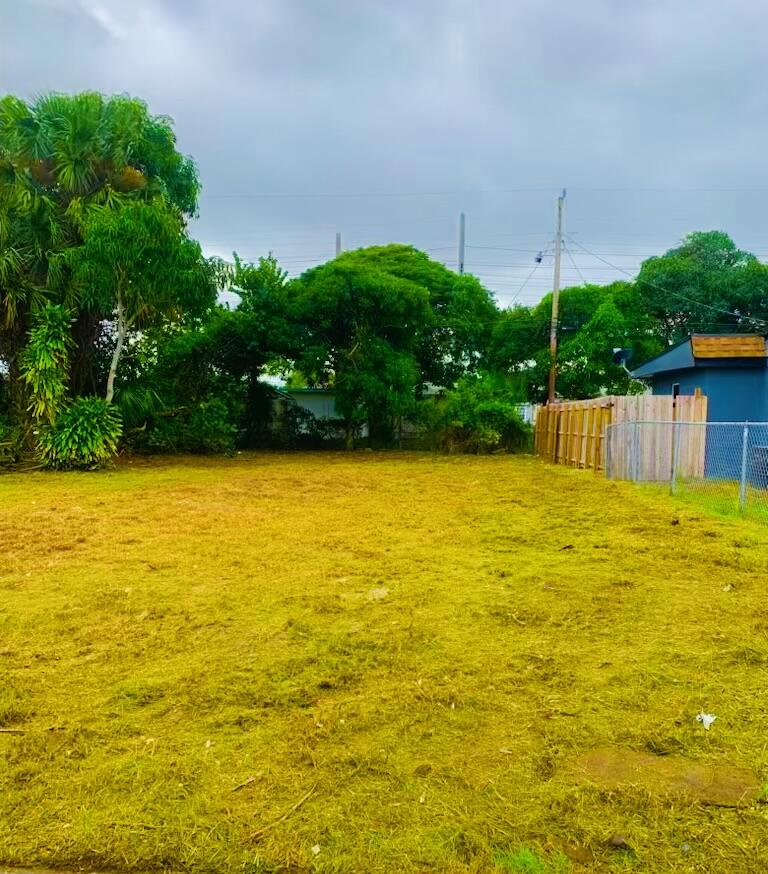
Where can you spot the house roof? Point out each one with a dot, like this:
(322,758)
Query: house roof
(308,389)
(702,350)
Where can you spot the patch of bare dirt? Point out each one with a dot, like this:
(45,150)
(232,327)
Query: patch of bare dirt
(718,785)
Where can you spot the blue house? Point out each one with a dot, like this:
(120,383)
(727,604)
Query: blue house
(730,369)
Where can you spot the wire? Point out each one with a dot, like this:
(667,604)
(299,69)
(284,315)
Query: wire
(735,315)
(530,275)
(575,265)
(533,251)
(448,193)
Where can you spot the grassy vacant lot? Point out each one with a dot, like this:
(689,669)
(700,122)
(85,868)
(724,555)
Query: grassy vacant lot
(374,663)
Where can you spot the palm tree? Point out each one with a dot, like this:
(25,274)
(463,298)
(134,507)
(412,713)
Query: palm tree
(60,158)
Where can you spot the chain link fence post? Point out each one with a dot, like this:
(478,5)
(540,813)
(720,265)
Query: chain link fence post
(743,481)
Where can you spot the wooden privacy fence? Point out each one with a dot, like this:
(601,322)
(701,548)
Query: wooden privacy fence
(574,432)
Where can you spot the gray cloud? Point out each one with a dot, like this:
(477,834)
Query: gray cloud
(407,113)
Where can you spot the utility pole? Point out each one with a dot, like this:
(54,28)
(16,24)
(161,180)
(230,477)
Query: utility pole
(462,228)
(555,300)
(338,243)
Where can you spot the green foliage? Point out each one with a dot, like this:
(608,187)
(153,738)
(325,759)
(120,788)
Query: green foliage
(10,441)
(137,404)
(259,286)
(84,435)
(45,362)
(211,429)
(363,326)
(139,251)
(82,144)
(379,323)
(102,289)
(172,369)
(594,320)
(297,428)
(66,162)
(480,415)
(205,428)
(706,284)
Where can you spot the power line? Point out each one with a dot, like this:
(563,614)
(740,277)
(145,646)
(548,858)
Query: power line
(471,191)
(575,265)
(735,315)
(532,251)
(528,278)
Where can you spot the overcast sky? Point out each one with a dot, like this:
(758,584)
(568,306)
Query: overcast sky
(383,120)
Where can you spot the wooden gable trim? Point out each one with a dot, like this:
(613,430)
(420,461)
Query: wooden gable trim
(734,346)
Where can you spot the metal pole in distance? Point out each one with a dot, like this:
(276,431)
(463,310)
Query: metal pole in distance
(675,456)
(462,237)
(743,483)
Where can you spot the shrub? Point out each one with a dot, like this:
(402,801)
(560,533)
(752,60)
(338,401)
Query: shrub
(480,415)
(84,435)
(211,428)
(205,428)
(296,427)
(10,441)
(45,362)
(293,427)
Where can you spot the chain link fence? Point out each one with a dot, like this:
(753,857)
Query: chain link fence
(721,464)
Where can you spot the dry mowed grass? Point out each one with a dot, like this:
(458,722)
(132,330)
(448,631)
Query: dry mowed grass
(396,658)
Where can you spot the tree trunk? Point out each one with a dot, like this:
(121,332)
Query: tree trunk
(82,379)
(122,329)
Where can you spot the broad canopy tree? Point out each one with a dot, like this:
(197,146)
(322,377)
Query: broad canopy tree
(705,284)
(380,323)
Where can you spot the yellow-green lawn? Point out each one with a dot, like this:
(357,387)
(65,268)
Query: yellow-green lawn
(372,663)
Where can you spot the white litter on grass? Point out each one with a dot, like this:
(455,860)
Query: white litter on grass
(316,850)
(706,719)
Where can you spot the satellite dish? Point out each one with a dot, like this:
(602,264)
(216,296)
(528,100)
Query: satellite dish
(621,356)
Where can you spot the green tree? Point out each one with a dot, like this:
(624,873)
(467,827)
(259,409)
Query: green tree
(519,333)
(706,284)
(379,323)
(456,338)
(137,262)
(62,158)
(260,287)
(205,373)
(363,328)
(594,320)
